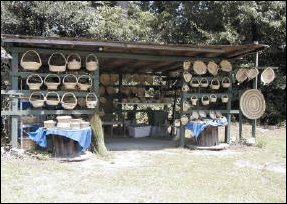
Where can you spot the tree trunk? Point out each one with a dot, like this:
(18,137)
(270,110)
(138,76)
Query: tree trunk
(98,139)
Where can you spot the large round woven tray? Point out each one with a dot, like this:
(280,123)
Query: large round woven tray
(267,76)
(199,67)
(252,104)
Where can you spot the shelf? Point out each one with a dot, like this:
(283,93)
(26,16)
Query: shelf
(25,74)
(145,103)
(28,92)
(48,112)
(188,95)
(221,111)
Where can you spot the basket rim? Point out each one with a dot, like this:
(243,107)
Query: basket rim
(40,61)
(57,53)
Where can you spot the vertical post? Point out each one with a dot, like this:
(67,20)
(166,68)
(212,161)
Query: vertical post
(227,138)
(182,128)
(240,120)
(255,87)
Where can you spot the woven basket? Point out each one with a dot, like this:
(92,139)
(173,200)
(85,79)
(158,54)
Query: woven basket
(36,103)
(74,64)
(194,115)
(135,77)
(83,86)
(213,98)
(69,105)
(75,124)
(52,102)
(34,86)
(212,115)
(205,100)
(212,68)
(64,119)
(184,120)
(252,73)
(225,83)
(57,68)
(82,102)
(114,78)
(215,84)
(199,67)
(105,79)
(185,88)
(31,65)
(186,65)
(224,98)
(52,85)
(70,85)
(91,103)
(203,82)
(241,75)
(194,82)
(49,124)
(202,114)
(111,91)
(267,76)
(93,64)
(194,100)
(187,76)
(225,66)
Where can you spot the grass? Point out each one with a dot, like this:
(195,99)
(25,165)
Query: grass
(168,175)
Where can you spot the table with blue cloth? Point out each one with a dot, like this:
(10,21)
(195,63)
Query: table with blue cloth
(81,136)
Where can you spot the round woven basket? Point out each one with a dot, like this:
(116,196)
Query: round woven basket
(205,100)
(225,66)
(252,104)
(36,102)
(68,104)
(194,115)
(57,68)
(105,79)
(184,120)
(31,65)
(186,65)
(241,75)
(225,83)
(252,73)
(267,76)
(34,86)
(84,86)
(193,99)
(70,85)
(92,62)
(199,67)
(114,78)
(215,84)
(194,82)
(52,85)
(204,82)
(224,98)
(51,99)
(75,63)
(187,76)
(212,115)
(212,68)
(111,91)
(202,114)
(185,88)
(213,98)
(91,103)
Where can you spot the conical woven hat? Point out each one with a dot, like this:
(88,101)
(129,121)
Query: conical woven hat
(252,104)
(105,79)
(267,76)
(199,67)
(187,76)
(225,66)
(252,73)
(241,75)
(212,68)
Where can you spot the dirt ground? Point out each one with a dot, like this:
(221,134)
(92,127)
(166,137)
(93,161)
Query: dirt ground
(154,170)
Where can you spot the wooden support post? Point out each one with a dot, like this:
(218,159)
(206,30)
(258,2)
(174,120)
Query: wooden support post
(227,138)
(182,128)
(255,87)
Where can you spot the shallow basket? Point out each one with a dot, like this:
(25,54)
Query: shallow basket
(267,76)
(91,103)
(92,65)
(213,98)
(215,84)
(225,66)
(84,124)
(225,83)
(37,103)
(49,124)
(75,124)
(74,64)
(52,85)
(194,82)
(205,100)
(31,65)
(64,119)
(70,85)
(34,86)
(82,86)
(57,68)
(50,101)
(224,98)
(69,105)
(204,82)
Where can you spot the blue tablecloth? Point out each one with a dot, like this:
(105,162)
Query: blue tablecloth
(197,127)
(82,136)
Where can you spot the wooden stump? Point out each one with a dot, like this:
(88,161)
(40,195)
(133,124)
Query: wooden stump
(65,147)
(209,137)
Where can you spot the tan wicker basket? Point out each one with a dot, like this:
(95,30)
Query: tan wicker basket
(34,86)
(213,98)
(31,65)
(186,65)
(69,105)
(91,103)
(194,82)
(74,64)
(215,84)
(187,76)
(52,101)
(205,100)
(252,73)
(267,76)
(225,66)
(70,85)
(49,124)
(83,86)
(212,68)
(194,100)
(114,78)
(202,114)
(36,103)
(204,82)
(105,79)
(185,88)
(57,68)
(212,115)
(52,85)
(199,67)
(85,124)
(225,83)
(224,98)
(92,65)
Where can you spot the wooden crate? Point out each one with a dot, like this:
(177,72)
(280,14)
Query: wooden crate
(209,137)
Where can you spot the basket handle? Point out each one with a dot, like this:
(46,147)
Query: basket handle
(37,92)
(74,54)
(213,96)
(205,96)
(69,93)
(224,78)
(194,97)
(192,80)
(52,92)
(82,76)
(27,80)
(224,96)
(203,79)
(214,80)
(52,75)
(93,95)
(35,53)
(70,75)
(93,56)
(59,53)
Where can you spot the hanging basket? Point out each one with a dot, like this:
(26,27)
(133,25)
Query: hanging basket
(204,82)
(184,120)
(213,98)
(205,100)
(225,66)
(187,76)
(194,82)
(202,114)
(111,91)
(224,98)
(52,85)
(91,100)
(267,76)
(186,65)
(74,64)
(84,86)
(114,78)
(225,83)
(37,102)
(69,104)
(51,100)
(252,73)
(57,68)
(212,68)
(102,90)
(105,79)
(70,85)
(34,86)
(194,100)
(212,115)
(199,67)
(215,84)
(241,75)
(82,102)
(92,62)
(31,65)
(185,88)
(194,115)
